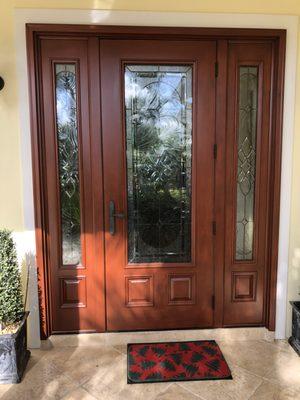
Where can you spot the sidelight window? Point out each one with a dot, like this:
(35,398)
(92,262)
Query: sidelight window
(68,160)
(246,160)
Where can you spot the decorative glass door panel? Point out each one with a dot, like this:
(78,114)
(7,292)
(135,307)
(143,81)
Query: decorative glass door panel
(247,163)
(158,102)
(156,134)
(246,149)
(68,162)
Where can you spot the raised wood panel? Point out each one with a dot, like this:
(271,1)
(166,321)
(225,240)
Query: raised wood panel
(73,292)
(244,286)
(138,291)
(182,289)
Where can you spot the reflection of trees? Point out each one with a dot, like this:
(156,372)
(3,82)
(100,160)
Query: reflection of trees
(68,165)
(159,142)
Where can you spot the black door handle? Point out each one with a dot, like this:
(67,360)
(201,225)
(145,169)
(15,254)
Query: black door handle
(112,216)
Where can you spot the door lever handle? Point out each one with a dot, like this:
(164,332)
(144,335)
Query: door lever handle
(112,216)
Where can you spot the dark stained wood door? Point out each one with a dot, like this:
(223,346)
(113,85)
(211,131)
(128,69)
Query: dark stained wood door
(158,126)
(158,178)
(71,139)
(248,182)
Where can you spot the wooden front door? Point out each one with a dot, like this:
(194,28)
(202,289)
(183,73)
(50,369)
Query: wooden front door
(156,176)
(158,113)
(73,195)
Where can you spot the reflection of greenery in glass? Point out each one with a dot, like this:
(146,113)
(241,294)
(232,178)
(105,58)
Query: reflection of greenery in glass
(158,130)
(68,162)
(248,96)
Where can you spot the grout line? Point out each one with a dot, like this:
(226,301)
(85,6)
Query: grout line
(91,394)
(119,351)
(189,390)
(247,370)
(255,390)
(169,384)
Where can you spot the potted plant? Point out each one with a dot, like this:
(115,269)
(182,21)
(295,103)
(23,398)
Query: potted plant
(294,340)
(13,339)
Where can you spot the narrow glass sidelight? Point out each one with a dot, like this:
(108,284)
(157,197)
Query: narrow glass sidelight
(68,162)
(246,168)
(158,108)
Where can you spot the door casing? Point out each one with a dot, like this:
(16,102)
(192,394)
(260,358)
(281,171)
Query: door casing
(277,38)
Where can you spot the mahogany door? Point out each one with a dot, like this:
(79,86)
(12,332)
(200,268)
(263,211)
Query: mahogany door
(248,182)
(158,178)
(158,127)
(71,141)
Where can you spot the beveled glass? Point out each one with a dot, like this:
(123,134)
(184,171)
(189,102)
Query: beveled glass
(158,102)
(68,162)
(246,173)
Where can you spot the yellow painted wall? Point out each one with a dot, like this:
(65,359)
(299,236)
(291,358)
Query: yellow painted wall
(11,214)
(236,6)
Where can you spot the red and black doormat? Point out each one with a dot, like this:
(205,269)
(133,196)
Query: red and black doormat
(176,361)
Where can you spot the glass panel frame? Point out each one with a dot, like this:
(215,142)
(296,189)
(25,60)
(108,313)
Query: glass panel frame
(68,153)
(248,103)
(156,233)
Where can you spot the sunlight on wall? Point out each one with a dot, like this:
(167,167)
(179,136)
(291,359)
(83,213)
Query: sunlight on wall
(11,201)
(291,7)
(10,165)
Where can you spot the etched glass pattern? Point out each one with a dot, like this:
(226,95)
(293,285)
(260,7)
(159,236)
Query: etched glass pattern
(68,159)
(248,98)
(158,102)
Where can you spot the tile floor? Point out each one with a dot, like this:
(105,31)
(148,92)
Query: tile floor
(89,367)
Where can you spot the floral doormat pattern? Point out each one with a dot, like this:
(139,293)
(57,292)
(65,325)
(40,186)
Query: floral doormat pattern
(176,361)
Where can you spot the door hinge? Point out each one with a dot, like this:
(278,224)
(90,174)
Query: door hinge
(216,69)
(215,151)
(213,301)
(214,227)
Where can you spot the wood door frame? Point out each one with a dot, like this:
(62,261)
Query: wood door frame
(36,32)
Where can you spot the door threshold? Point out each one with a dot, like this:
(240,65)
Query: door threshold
(122,338)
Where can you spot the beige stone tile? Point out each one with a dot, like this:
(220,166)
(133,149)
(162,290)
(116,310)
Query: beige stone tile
(98,362)
(270,391)
(121,338)
(286,370)
(283,345)
(110,383)
(94,339)
(82,362)
(120,342)
(121,348)
(176,392)
(255,356)
(241,387)
(4,389)
(79,394)
(41,381)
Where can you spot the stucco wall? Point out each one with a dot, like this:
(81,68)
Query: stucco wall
(12,200)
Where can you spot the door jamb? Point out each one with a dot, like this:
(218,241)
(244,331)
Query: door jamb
(35,32)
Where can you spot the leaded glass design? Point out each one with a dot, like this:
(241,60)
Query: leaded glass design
(248,98)
(158,101)
(68,159)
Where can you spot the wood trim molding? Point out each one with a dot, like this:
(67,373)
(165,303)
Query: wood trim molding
(35,32)
(275,178)
(40,200)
